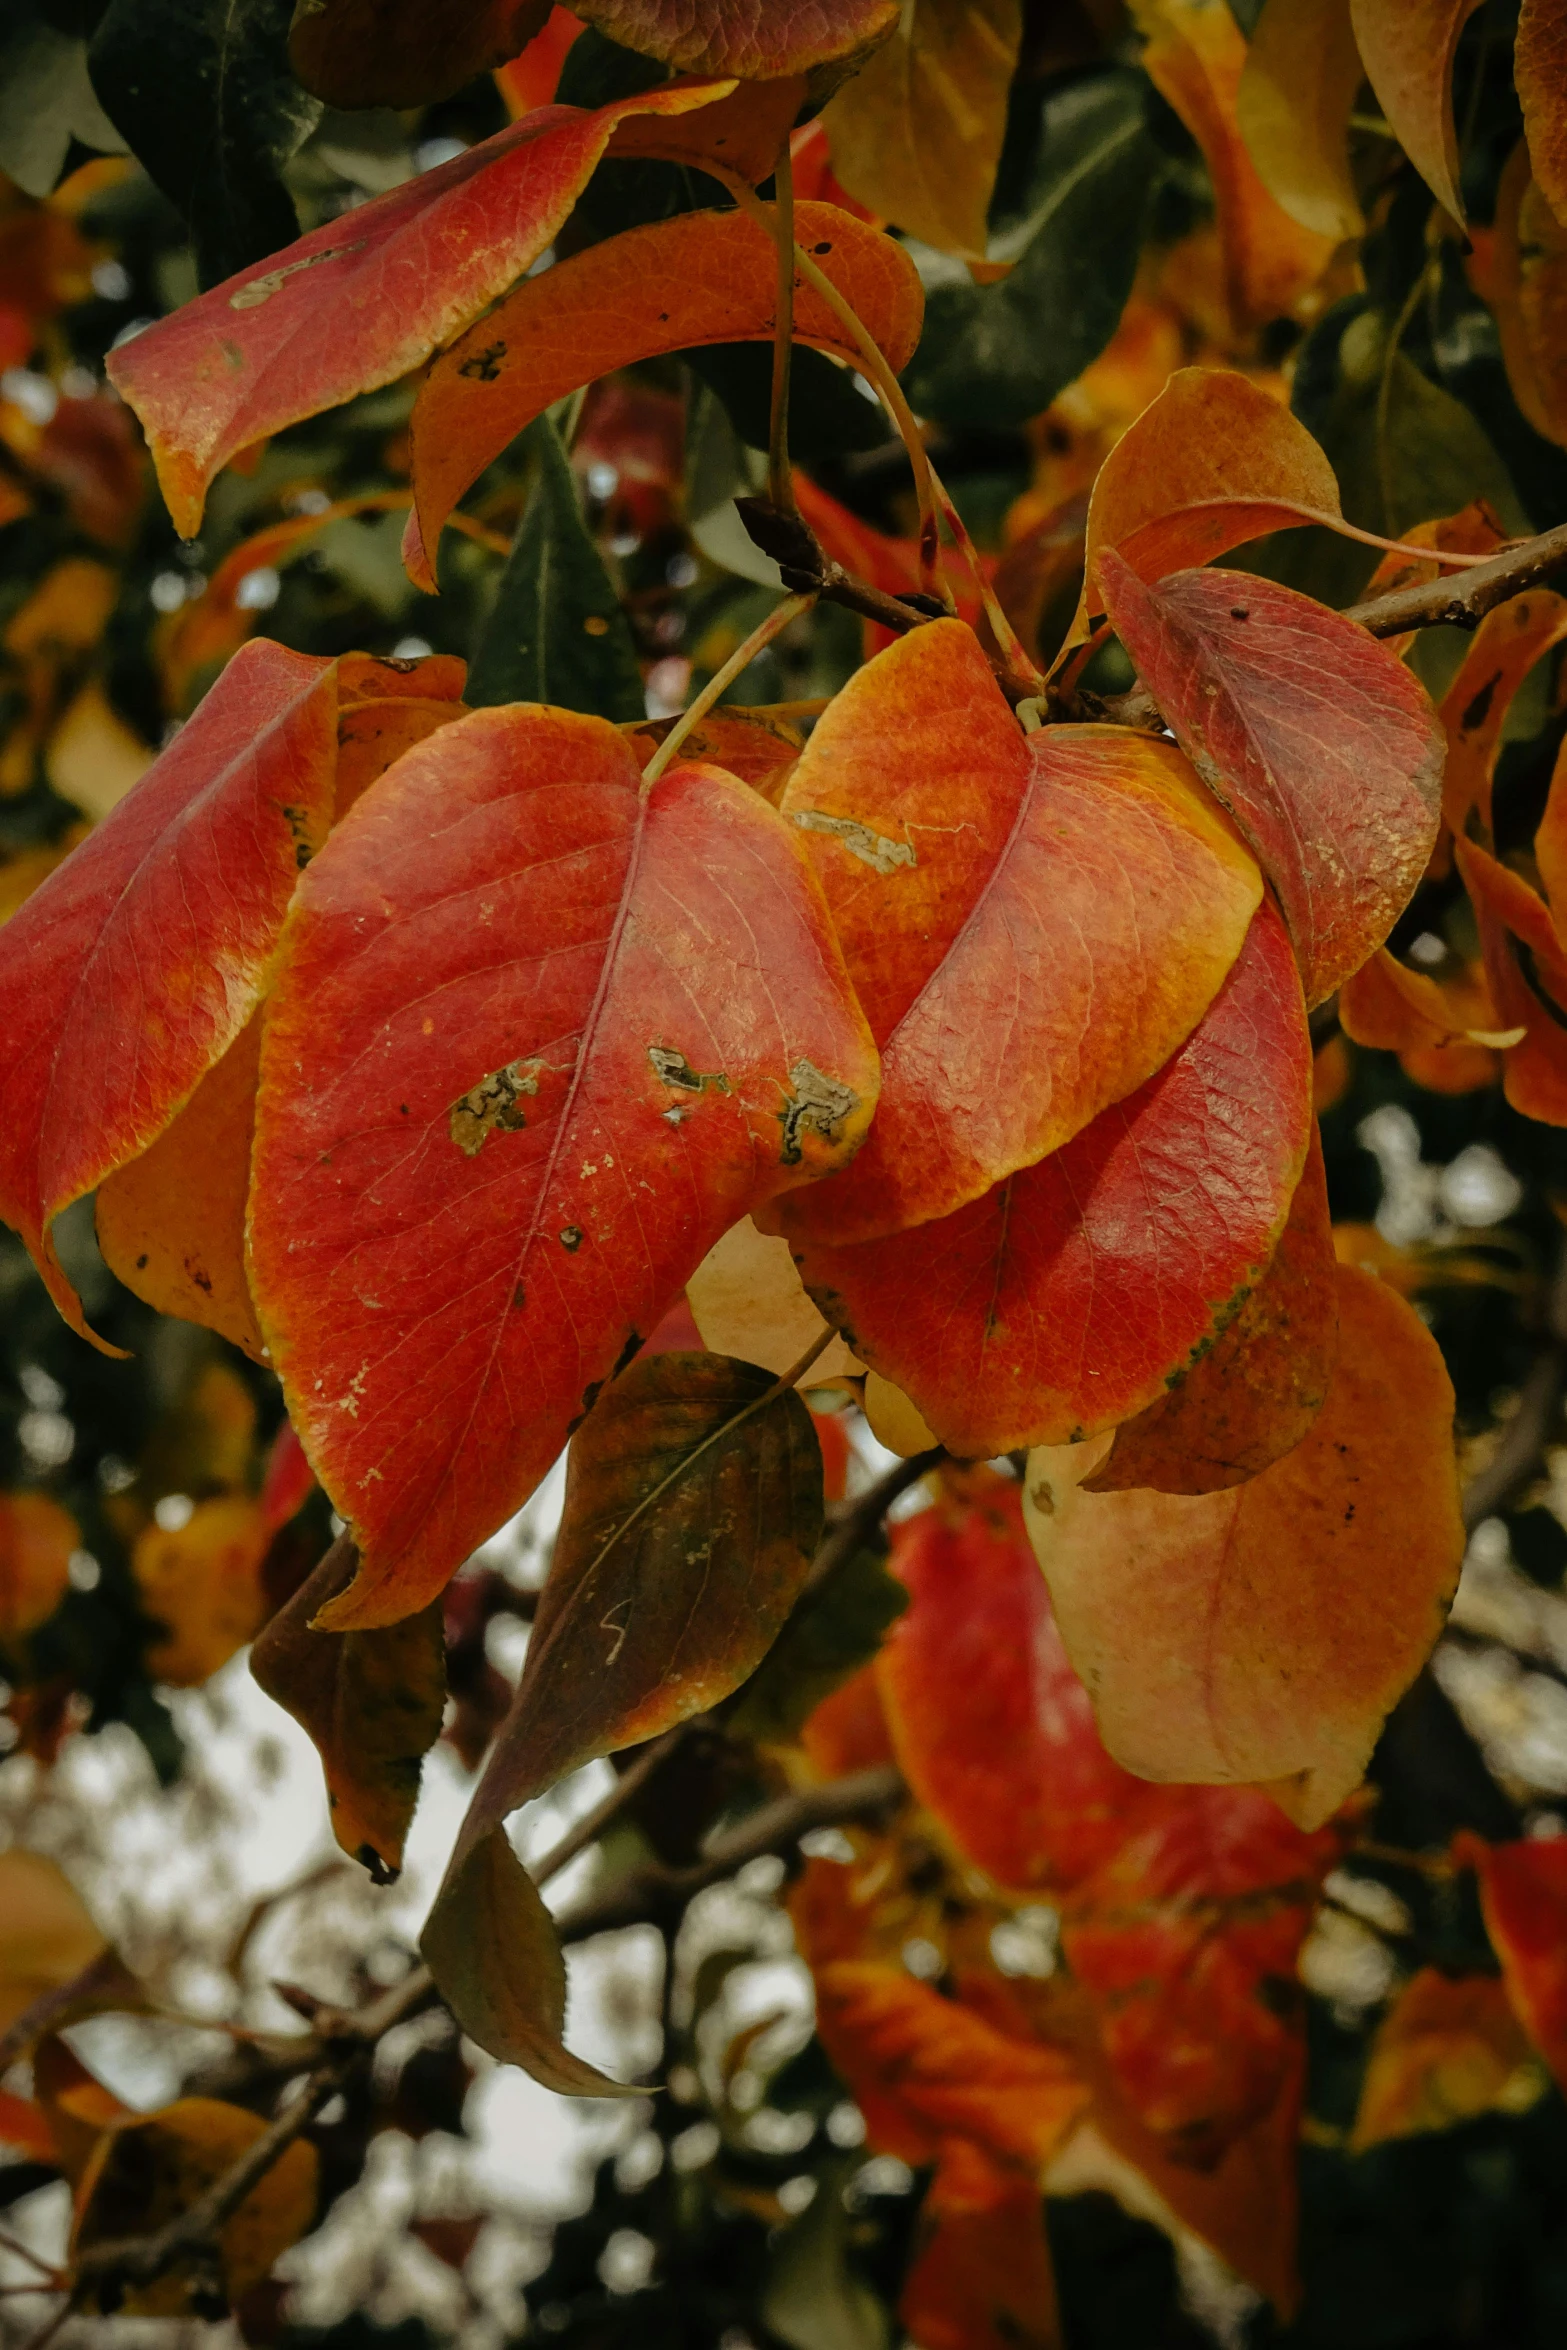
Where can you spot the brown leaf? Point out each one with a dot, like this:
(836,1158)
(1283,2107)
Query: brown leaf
(1540,71)
(1409,47)
(404,52)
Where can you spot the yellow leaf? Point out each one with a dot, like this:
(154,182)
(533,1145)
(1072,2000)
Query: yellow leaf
(894,1421)
(1293,106)
(747,1300)
(93,757)
(201,1581)
(46,1935)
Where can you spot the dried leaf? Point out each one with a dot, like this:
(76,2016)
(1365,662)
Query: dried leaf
(1449,2048)
(1321,744)
(650,1614)
(1066,1298)
(1409,47)
(1297,89)
(671,285)
(1474,712)
(1264,1633)
(491,1151)
(161,926)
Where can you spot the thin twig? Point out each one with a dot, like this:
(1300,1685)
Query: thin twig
(739,660)
(863,1515)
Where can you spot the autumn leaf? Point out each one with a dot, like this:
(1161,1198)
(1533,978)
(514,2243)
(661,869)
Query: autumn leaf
(372,1703)
(990,1724)
(693,1506)
(713,36)
(757,746)
(581,1031)
(1475,708)
(1409,47)
(162,927)
(1395,1010)
(982,2278)
(1195,57)
(1263,1633)
(748,1301)
(671,285)
(1066,1298)
(1448,2049)
(1526,972)
(149,2171)
(1062,871)
(201,1582)
(46,1935)
(37,1538)
(404,52)
(1540,71)
(1251,1398)
(1528,296)
(347,308)
(1523,1893)
(1292,107)
(1322,746)
(916,135)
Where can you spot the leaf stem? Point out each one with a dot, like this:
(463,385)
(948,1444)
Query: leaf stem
(739,660)
(780,484)
(1007,639)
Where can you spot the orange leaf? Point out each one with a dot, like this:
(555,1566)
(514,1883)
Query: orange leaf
(1251,1398)
(1111,884)
(1264,1633)
(1523,1892)
(1526,968)
(991,1726)
(360,301)
(581,1031)
(1449,2048)
(1195,57)
(1408,48)
(712,36)
(1395,1010)
(202,1583)
(1292,107)
(1540,70)
(531,79)
(703,277)
(1322,745)
(983,2279)
(404,52)
(1065,1298)
(26,2126)
(848,1731)
(752,744)
(371,735)
(1505,647)
(46,1935)
(1528,294)
(159,929)
(37,1538)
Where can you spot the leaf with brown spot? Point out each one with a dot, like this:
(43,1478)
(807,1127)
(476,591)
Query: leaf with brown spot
(693,1507)
(1449,2049)
(583,1029)
(1321,744)
(1251,1398)
(161,928)
(1264,1633)
(1408,47)
(1062,1300)
(670,285)
(372,1703)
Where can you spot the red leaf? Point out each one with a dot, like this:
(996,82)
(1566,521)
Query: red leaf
(128,974)
(982,2279)
(1323,747)
(536,1042)
(1526,971)
(360,300)
(703,277)
(1523,1891)
(1067,1297)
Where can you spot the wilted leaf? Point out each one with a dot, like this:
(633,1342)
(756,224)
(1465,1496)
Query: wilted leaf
(650,1614)
(916,135)
(713,36)
(202,1582)
(1526,971)
(404,52)
(583,1029)
(162,927)
(171,1224)
(1321,744)
(1293,105)
(204,99)
(748,1301)
(1108,882)
(991,1726)
(358,302)
(37,1538)
(1251,1398)
(1195,57)
(1065,1298)
(46,1935)
(1073,248)
(1264,1633)
(982,2279)
(1408,47)
(556,632)
(1523,1892)
(1474,712)
(371,1701)
(703,277)
(1449,2048)
(1540,71)
(149,2171)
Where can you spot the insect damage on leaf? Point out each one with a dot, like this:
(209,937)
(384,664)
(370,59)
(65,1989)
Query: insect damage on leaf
(494,1106)
(817,1104)
(882,856)
(671,1067)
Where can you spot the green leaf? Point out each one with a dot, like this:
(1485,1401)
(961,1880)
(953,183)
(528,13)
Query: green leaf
(556,632)
(372,1703)
(693,1505)
(837,1628)
(996,355)
(202,93)
(812,2298)
(46,100)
